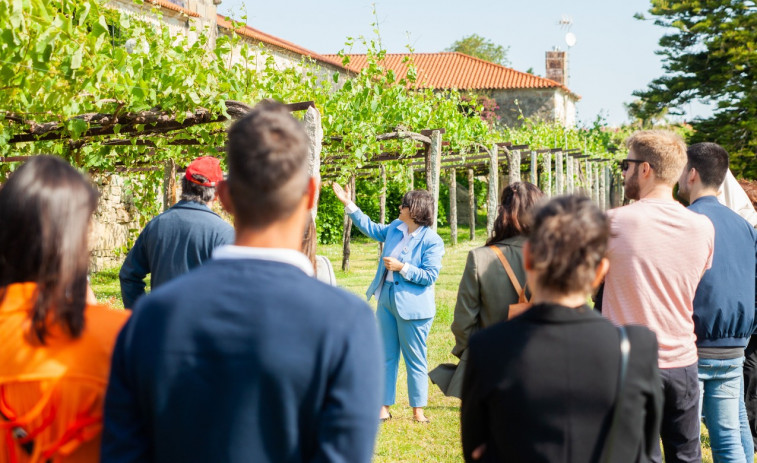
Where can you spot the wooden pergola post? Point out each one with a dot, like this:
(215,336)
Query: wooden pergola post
(472,204)
(169,184)
(534,174)
(559,175)
(571,183)
(314,130)
(513,167)
(548,171)
(382,204)
(346,231)
(453,205)
(433,171)
(491,211)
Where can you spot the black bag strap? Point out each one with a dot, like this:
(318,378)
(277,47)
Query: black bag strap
(625,350)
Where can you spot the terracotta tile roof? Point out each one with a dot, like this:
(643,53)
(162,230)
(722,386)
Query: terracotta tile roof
(269,39)
(458,70)
(174,7)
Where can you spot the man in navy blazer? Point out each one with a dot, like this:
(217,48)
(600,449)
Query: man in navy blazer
(249,358)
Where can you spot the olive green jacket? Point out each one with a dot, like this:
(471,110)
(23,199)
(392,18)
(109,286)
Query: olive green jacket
(483,299)
(485,291)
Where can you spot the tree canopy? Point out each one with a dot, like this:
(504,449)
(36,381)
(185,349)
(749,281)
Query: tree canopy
(709,55)
(481,47)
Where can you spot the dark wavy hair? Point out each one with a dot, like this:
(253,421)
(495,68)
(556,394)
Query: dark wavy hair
(45,209)
(421,205)
(514,216)
(568,240)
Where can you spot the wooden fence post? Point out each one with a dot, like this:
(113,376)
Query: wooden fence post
(169,184)
(570,175)
(453,205)
(491,210)
(534,174)
(472,205)
(346,231)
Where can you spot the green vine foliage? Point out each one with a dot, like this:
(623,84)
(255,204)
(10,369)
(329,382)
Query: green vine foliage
(63,58)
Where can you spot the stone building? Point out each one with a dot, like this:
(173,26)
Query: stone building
(515,92)
(284,53)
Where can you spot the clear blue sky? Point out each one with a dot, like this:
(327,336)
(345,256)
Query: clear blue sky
(614,54)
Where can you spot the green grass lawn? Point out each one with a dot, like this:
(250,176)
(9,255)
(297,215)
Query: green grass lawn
(400,439)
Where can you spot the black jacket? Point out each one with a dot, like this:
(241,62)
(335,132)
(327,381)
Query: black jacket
(541,388)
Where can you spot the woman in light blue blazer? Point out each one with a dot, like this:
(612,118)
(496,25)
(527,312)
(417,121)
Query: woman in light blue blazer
(404,287)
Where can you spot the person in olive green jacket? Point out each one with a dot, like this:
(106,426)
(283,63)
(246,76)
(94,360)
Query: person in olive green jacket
(485,292)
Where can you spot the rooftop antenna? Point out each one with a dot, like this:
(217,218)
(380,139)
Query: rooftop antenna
(565,23)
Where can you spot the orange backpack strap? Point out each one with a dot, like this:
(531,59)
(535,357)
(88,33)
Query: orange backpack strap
(511,274)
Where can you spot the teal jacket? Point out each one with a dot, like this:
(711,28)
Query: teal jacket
(414,293)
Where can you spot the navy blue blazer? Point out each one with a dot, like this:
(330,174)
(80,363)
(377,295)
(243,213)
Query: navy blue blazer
(414,294)
(245,361)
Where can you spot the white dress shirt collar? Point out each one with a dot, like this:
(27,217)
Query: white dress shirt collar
(286,256)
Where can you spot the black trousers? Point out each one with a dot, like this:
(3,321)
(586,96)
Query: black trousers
(680,416)
(750,385)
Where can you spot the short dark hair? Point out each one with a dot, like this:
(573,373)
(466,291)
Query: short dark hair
(421,206)
(515,206)
(267,159)
(191,191)
(711,162)
(45,208)
(568,240)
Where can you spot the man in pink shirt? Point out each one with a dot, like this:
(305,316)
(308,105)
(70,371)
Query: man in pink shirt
(658,252)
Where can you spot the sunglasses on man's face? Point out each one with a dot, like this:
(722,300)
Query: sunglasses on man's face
(626,163)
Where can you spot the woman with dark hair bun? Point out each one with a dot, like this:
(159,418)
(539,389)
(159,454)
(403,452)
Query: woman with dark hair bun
(55,350)
(486,290)
(559,382)
(404,289)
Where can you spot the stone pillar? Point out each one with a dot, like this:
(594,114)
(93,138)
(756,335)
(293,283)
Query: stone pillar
(314,130)
(433,171)
(514,167)
(602,189)
(606,172)
(570,175)
(346,231)
(453,205)
(559,176)
(382,204)
(547,188)
(595,183)
(492,202)
(169,184)
(472,205)
(533,178)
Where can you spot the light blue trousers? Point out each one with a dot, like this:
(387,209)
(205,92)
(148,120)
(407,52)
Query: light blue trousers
(721,400)
(408,337)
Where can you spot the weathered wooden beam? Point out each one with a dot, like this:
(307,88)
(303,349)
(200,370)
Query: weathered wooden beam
(302,106)
(399,135)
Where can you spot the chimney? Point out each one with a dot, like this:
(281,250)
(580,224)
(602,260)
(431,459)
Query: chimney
(557,66)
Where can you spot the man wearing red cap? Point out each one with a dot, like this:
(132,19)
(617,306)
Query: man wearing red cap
(179,239)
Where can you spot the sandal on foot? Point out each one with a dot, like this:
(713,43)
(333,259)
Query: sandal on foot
(386,418)
(425,420)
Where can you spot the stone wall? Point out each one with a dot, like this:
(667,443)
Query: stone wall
(549,105)
(114,221)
